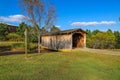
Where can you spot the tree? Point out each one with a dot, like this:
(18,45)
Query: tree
(103,40)
(39,14)
(43,30)
(21,29)
(14,37)
(88,33)
(95,32)
(117,39)
(88,38)
(4,30)
(54,29)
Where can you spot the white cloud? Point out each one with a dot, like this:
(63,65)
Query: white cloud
(13,18)
(58,26)
(93,23)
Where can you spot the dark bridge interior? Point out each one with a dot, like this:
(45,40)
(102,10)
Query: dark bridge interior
(76,40)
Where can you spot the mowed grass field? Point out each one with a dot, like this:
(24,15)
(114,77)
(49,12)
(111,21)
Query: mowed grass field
(75,65)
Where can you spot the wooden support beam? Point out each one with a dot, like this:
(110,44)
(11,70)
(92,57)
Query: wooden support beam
(84,40)
(71,41)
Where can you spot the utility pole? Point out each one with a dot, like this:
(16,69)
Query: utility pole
(26,53)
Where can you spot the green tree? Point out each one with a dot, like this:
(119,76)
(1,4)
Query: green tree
(109,31)
(21,29)
(14,37)
(54,29)
(43,30)
(110,39)
(103,40)
(89,33)
(88,38)
(117,39)
(4,30)
(95,32)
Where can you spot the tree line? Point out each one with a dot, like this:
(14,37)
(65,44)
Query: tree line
(95,39)
(103,39)
(7,35)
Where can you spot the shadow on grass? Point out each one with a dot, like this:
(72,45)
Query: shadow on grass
(5,48)
(5,53)
(8,52)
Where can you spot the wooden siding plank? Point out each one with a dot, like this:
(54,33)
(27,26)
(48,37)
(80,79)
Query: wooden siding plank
(57,41)
(64,41)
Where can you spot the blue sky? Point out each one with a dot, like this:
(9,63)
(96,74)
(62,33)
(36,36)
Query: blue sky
(85,14)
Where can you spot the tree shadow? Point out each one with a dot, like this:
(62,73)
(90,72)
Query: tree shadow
(6,53)
(5,48)
(57,43)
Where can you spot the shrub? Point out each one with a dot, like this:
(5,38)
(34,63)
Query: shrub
(14,37)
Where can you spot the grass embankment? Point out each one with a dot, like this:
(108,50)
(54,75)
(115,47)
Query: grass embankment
(13,46)
(8,46)
(75,65)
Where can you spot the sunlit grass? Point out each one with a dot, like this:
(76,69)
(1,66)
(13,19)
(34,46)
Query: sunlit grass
(117,50)
(8,43)
(76,65)
(13,46)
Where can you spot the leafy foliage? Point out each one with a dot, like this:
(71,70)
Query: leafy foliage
(103,40)
(14,37)
(4,30)
(54,29)
(117,39)
(21,28)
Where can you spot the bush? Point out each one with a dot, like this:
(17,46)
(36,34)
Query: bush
(101,40)
(7,46)
(32,46)
(14,37)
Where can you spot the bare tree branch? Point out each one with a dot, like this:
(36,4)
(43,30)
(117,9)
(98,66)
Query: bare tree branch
(39,14)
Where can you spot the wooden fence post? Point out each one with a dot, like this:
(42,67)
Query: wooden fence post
(26,53)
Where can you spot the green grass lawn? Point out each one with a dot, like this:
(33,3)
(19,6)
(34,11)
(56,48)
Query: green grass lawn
(75,65)
(11,46)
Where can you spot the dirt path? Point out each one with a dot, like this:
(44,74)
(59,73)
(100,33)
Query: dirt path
(99,51)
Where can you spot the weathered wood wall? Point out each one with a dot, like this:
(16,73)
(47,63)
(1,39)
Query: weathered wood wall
(65,41)
(57,41)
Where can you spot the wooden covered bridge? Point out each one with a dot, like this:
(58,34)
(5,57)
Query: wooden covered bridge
(67,39)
